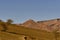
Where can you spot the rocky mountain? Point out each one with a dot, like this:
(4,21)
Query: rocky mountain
(48,25)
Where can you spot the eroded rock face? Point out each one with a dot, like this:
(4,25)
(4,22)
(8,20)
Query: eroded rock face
(48,25)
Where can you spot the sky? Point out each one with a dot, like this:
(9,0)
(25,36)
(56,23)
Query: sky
(22,10)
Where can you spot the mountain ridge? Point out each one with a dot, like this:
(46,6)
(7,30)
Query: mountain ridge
(48,25)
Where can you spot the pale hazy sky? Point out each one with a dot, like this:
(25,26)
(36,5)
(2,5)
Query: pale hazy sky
(21,10)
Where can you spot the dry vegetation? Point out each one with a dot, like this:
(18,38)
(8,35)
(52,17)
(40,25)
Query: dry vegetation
(9,31)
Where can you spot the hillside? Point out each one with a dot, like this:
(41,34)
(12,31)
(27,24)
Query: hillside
(9,31)
(31,33)
(48,25)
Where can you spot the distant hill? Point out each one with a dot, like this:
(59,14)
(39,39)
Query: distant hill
(48,25)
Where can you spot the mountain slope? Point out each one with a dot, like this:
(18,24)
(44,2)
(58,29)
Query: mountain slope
(48,25)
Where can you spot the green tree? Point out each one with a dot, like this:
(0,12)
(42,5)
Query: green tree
(9,21)
(1,21)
